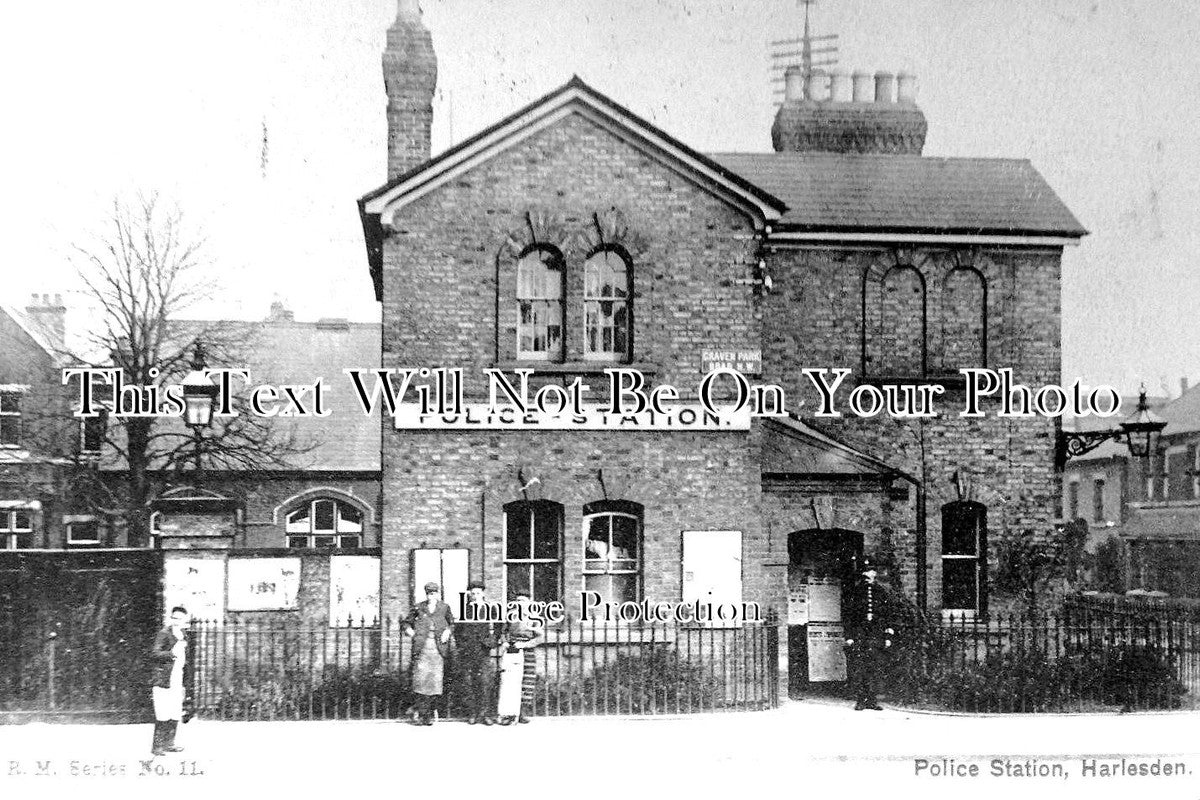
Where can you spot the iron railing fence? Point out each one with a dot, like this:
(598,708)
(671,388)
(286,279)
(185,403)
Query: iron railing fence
(264,671)
(1079,659)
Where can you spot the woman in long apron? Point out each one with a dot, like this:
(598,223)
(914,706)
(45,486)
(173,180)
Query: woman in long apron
(429,626)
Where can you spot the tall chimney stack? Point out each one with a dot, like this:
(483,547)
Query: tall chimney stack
(864,113)
(409,77)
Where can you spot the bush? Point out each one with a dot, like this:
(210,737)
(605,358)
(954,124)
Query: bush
(931,667)
(656,680)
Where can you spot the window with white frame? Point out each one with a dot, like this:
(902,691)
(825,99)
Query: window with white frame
(325,523)
(612,550)
(533,550)
(540,277)
(1072,501)
(606,307)
(10,417)
(964,556)
(16,529)
(83,532)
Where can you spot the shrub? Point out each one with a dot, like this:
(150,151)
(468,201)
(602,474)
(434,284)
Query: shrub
(930,666)
(656,680)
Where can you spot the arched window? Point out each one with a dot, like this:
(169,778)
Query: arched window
(325,523)
(533,550)
(964,320)
(964,556)
(901,334)
(607,311)
(540,277)
(612,550)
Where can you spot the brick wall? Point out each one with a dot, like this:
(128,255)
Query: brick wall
(815,315)
(574,186)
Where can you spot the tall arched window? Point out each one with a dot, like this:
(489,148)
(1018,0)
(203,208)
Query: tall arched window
(325,523)
(607,309)
(964,320)
(612,550)
(533,550)
(901,334)
(540,278)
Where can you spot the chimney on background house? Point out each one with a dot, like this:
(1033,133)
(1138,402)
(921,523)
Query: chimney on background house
(842,113)
(49,316)
(409,77)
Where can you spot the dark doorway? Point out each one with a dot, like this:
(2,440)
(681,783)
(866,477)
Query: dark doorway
(820,564)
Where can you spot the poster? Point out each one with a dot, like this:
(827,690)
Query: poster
(824,599)
(197,584)
(826,651)
(263,584)
(353,590)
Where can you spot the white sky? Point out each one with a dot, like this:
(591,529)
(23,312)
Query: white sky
(115,97)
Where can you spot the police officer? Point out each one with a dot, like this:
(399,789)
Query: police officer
(868,636)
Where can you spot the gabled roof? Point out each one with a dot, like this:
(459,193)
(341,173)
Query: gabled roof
(907,193)
(573,97)
(32,331)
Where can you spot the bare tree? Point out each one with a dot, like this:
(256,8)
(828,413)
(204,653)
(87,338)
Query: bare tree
(145,271)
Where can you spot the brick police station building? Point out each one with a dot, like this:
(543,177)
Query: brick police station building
(574,236)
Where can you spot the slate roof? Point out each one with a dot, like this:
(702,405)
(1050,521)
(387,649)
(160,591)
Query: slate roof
(301,352)
(282,351)
(1182,414)
(906,193)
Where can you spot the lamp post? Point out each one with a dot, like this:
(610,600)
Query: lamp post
(199,393)
(1139,431)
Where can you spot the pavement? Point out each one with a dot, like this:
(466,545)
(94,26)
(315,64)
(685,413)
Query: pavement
(805,749)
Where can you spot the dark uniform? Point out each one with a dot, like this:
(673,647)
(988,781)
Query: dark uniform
(868,636)
(475,643)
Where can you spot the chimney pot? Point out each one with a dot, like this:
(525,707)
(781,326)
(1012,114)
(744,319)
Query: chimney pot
(862,86)
(885,83)
(906,88)
(793,84)
(1183,385)
(839,86)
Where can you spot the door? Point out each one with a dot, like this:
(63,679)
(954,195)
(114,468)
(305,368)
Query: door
(820,565)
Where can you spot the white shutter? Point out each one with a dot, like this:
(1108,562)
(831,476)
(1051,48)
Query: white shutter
(712,567)
(449,569)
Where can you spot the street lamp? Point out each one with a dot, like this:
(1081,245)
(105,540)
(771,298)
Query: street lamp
(1140,431)
(199,394)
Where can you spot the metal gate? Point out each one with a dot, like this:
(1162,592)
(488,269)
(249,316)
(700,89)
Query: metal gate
(75,629)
